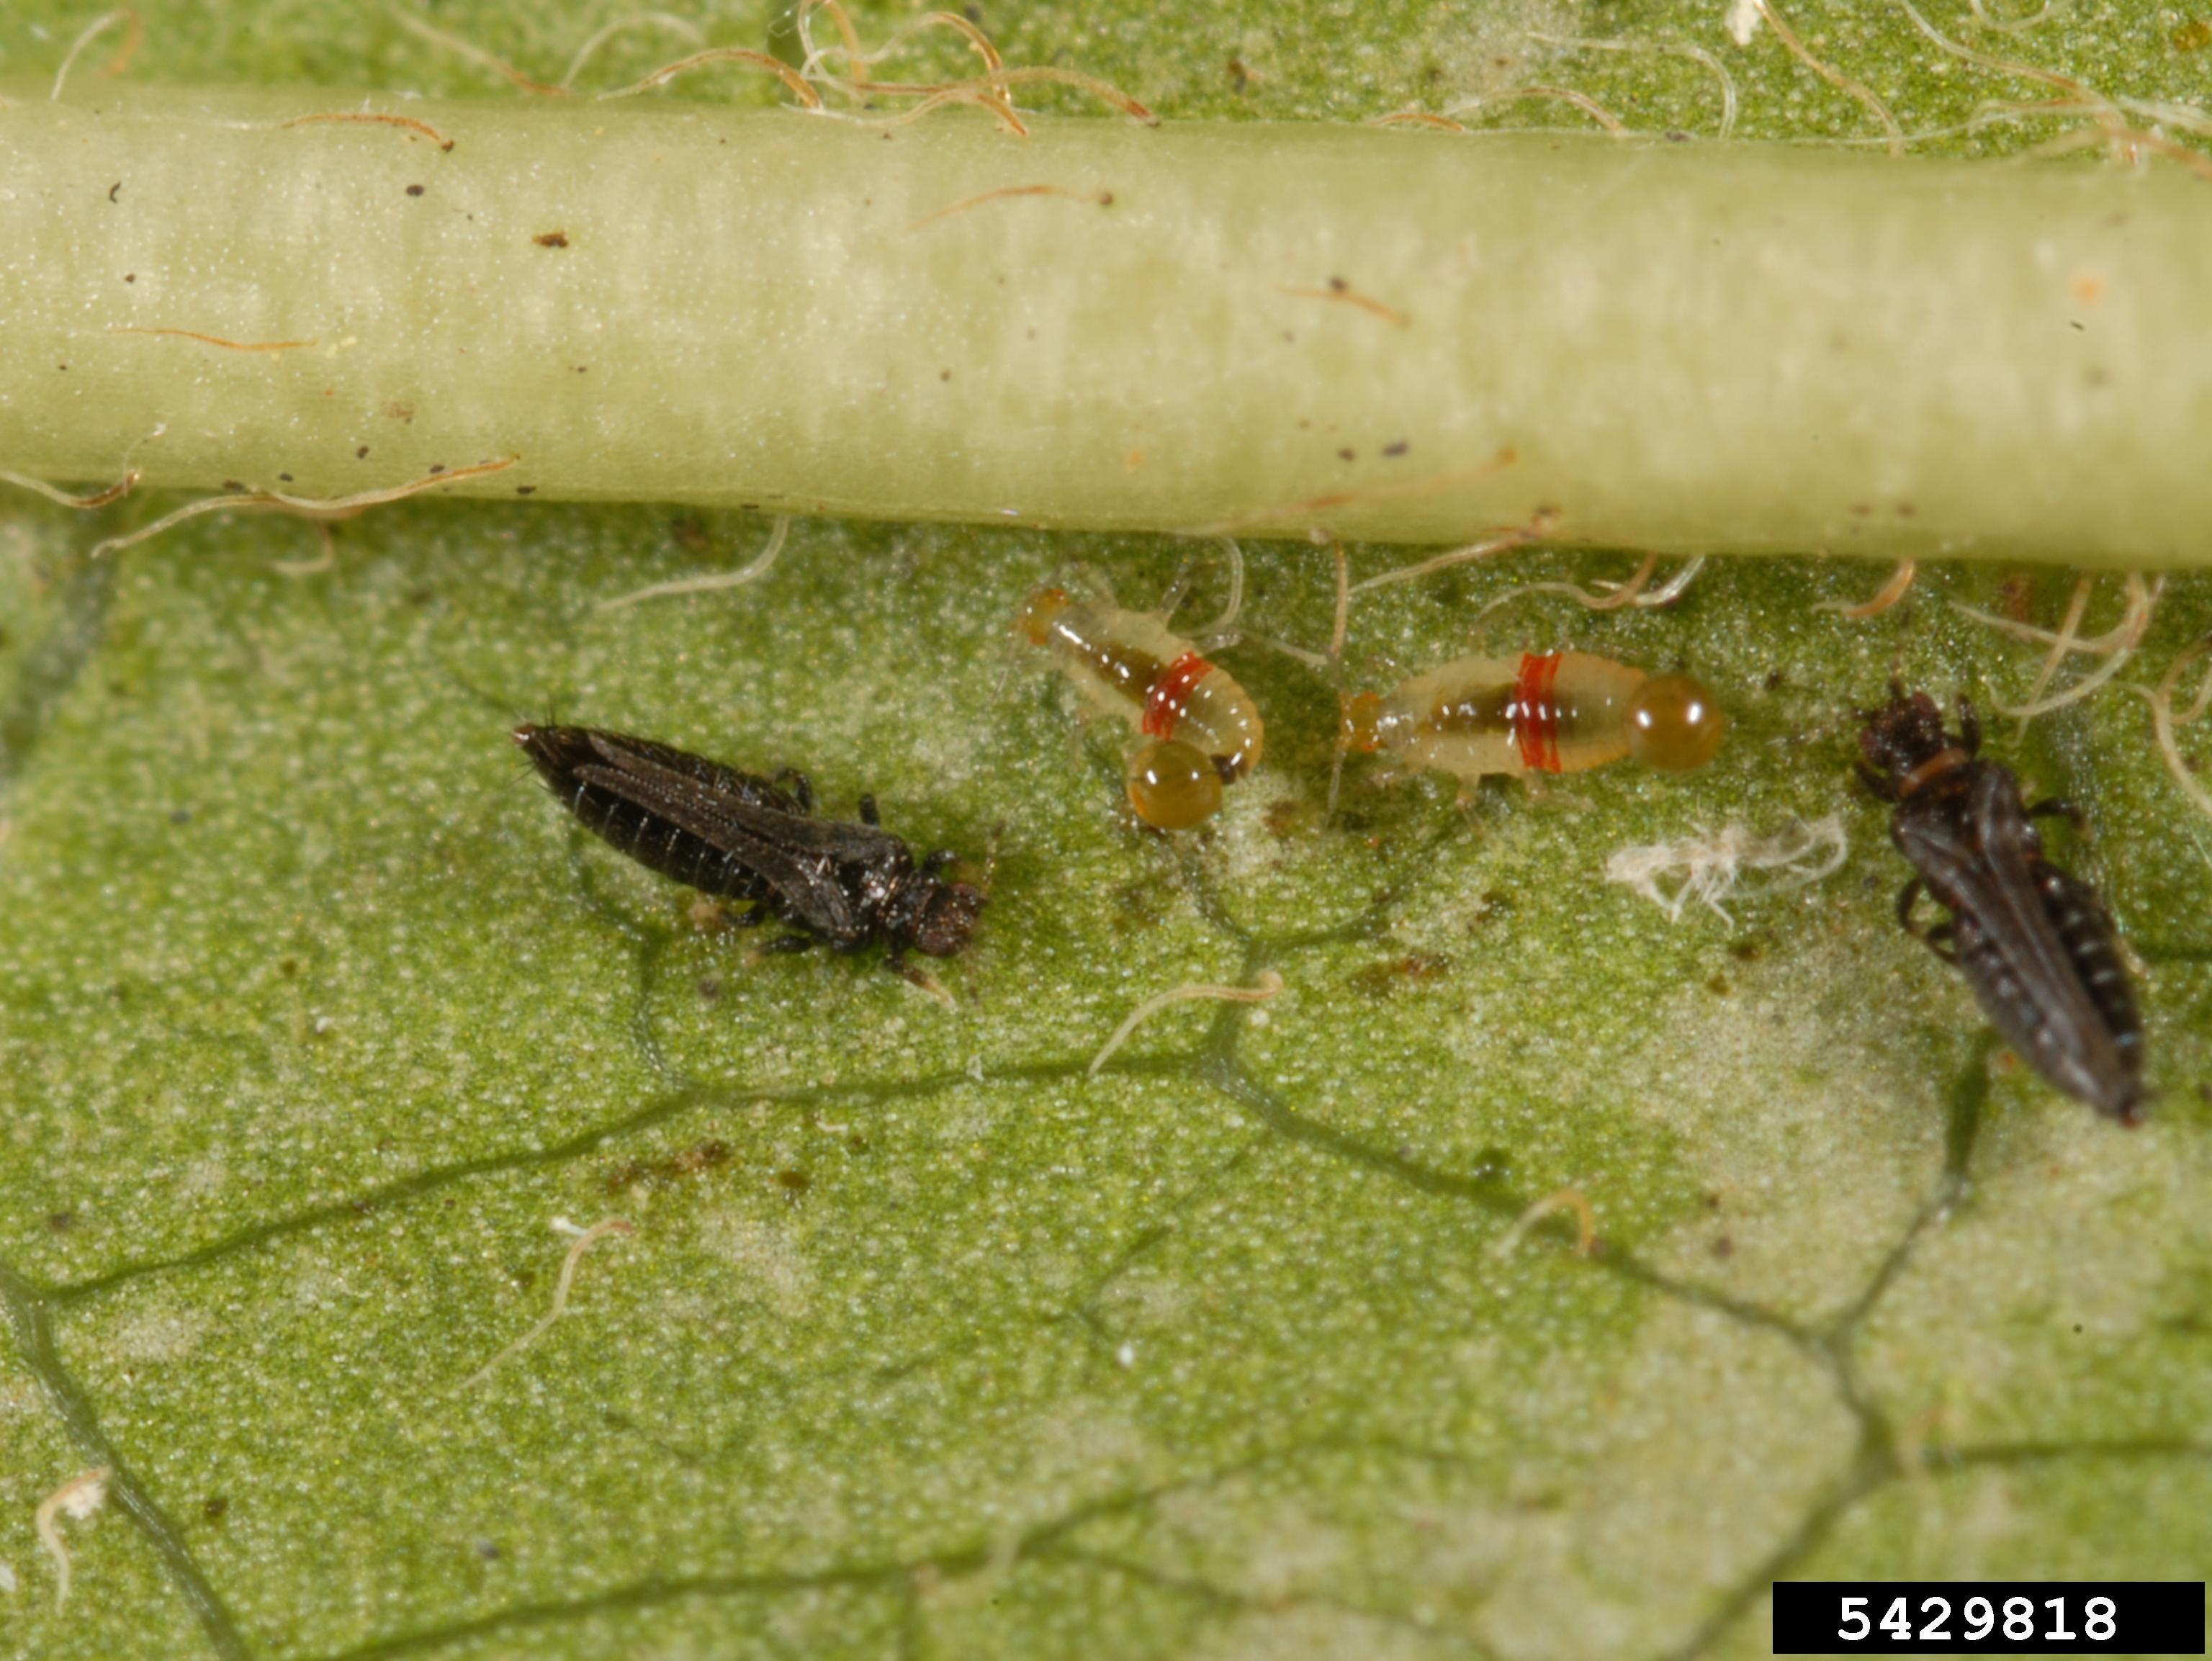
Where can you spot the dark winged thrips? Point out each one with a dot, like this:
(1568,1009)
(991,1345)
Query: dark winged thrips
(741,837)
(2035,944)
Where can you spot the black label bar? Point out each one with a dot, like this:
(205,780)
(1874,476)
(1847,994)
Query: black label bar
(1989,1617)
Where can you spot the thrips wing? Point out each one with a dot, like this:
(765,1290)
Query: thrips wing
(2029,979)
(1953,869)
(620,750)
(2006,841)
(753,836)
(1982,873)
(743,794)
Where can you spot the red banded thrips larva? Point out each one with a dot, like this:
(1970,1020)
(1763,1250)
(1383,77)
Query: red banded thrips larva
(1543,711)
(2035,944)
(1201,728)
(741,837)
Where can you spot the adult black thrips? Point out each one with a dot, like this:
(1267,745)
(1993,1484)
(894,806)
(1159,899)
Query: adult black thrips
(743,837)
(2035,944)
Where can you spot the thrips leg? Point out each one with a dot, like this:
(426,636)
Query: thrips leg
(1939,938)
(800,786)
(1171,601)
(1878,784)
(1907,898)
(2059,807)
(921,978)
(1970,727)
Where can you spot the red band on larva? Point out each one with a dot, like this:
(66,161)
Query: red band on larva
(1536,716)
(1164,703)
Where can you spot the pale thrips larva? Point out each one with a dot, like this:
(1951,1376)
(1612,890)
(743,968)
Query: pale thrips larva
(1201,729)
(1543,711)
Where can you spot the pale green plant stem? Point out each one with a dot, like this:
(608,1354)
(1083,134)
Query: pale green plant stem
(1219,329)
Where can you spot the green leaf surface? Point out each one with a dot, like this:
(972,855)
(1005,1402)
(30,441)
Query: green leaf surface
(317,1012)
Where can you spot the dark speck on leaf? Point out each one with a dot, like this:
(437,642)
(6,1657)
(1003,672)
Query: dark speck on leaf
(113,188)
(215,1507)
(1397,449)
(523,489)
(286,477)
(551,239)
(413,189)
(232,485)
(361,454)
(794,1183)
(699,1157)
(60,1221)
(698,1160)
(1348,453)
(1386,978)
